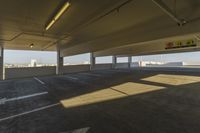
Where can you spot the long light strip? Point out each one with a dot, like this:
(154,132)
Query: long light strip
(58,15)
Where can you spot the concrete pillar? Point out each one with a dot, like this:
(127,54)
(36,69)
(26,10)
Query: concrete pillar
(59,68)
(114,61)
(92,61)
(129,61)
(1,63)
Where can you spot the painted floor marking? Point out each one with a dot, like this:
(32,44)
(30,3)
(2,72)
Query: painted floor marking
(39,80)
(81,130)
(28,112)
(91,74)
(4,100)
(73,78)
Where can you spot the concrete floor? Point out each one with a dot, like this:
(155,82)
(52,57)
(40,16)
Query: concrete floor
(109,101)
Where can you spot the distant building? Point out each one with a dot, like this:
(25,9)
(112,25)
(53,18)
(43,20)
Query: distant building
(33,63)
(86,62)
(147,63)
(157,64)
(191,63)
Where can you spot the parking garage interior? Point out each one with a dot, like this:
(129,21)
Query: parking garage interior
(113,96)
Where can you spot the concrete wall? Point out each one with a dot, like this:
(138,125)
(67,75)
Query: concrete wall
(121,65)
(12,73)
(102,66)
(135,64)
(180,69)
(75,68)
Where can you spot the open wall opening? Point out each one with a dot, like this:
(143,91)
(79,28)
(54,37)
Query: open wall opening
(122,59)
(21,64)
(77,59)
(104,60)
(22,58)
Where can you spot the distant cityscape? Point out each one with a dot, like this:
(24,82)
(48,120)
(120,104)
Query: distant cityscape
(35,63)
(164,64)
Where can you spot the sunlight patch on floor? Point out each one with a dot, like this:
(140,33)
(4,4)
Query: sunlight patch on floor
(132,88)
(114,92)
(172,79)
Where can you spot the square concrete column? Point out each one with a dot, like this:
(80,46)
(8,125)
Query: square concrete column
(1,63)
(92,61)
(59,68)
(129,61)
(114,61)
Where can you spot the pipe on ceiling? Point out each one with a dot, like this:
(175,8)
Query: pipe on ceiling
(168,11)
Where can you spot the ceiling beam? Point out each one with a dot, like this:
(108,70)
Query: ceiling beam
(149,31)
(168,11)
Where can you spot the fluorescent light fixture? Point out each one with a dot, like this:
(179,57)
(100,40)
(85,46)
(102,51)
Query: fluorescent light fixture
(50,24)
(58,15)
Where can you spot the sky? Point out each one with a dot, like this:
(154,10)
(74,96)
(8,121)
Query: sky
(24,57)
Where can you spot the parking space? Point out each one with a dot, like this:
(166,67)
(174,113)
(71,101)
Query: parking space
(102,101)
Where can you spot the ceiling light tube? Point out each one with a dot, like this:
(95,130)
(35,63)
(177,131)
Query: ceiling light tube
(58,15)
(50,24)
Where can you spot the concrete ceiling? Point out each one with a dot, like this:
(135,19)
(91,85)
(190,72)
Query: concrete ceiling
(138,21)
(22,22)
(93,25)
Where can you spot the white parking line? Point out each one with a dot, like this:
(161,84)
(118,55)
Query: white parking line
(27,96)
(73,78)
(28,112)
(39,80)
(81,130)
(91,74)
(4,100)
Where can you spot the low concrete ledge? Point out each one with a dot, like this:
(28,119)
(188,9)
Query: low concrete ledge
(121,65)
(181,69)
(75,68)
(12,73)
(102,66)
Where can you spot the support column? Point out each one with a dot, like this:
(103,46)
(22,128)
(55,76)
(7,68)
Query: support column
(129,61)
(114,61)
(1,63)
(92,61)
(59,68)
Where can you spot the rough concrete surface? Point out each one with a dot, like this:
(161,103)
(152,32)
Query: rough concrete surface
(102,101)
